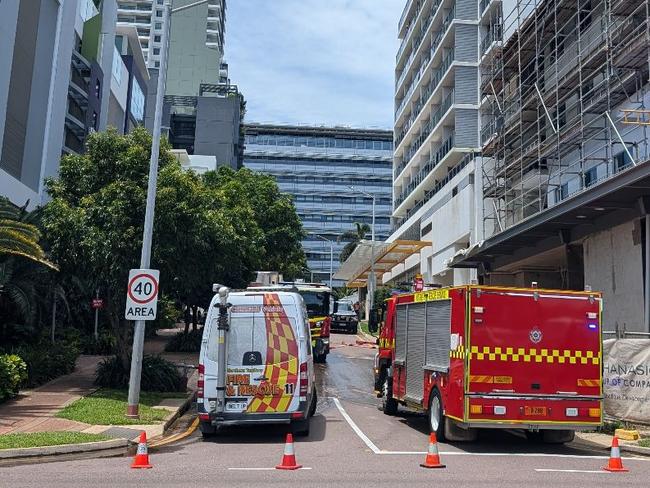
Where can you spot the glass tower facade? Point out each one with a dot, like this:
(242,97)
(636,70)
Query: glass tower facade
(325,169)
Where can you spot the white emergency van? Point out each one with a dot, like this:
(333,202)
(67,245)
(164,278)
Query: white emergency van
(269,371)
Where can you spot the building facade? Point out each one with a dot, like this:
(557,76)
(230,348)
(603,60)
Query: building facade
(564,133)
(53,87)
(325,170)
(436,137)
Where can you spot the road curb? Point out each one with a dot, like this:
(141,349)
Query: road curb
(643,451)
(367,337)
(26,455)
(179,411)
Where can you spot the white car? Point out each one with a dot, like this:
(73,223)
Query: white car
(270,372)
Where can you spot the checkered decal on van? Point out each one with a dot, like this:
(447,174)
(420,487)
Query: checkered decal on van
(281,358)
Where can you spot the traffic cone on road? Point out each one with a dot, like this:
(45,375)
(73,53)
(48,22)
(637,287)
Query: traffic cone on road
(288,458)
(141,459)
(433,457)
(615,463)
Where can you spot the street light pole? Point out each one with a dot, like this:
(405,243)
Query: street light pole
(371,277)
(145,255)
(331,256)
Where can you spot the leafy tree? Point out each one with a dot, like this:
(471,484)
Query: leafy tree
(94,225)
(354,236)
(274,213)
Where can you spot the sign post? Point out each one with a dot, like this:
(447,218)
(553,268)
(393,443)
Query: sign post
(97,304)
(141,304)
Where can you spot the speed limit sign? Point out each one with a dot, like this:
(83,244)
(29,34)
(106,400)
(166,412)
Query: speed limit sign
(142,294)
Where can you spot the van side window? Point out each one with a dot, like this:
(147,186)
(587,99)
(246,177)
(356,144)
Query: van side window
(211,347)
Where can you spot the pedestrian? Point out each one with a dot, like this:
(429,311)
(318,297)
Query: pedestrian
(357,309)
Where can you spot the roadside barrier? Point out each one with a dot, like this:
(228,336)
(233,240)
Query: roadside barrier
(615,463)
(141,459)
(432,459)
(288,458)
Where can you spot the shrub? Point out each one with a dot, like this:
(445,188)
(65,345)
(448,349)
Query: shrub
(46,361)
(182,342)
(104,346)
(158,374)
(13,372)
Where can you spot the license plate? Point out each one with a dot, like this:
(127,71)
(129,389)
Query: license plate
(236,406)
(541,411)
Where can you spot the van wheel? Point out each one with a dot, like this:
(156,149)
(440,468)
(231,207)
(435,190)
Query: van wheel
(388,403)
(300,427)
(436,418)
(207,430)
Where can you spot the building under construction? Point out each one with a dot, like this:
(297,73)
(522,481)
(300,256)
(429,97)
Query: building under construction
(564,133)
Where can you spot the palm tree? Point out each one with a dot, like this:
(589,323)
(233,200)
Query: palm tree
(18,236)
(354,236)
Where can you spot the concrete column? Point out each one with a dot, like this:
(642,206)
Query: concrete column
(107,50)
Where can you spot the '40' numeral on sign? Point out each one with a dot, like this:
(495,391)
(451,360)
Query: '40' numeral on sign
(288,388)
(143,288)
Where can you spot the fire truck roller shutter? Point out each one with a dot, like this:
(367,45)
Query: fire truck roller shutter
(415,342)
(400,332)
(438,341)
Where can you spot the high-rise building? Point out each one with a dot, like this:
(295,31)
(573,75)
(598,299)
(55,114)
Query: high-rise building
(327,171)
(196,39)
(54,86)
(436,136)
(565,111)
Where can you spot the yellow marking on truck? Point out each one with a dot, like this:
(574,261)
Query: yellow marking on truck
(481,353)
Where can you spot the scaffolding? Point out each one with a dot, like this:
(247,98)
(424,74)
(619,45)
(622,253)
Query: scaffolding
(564,85)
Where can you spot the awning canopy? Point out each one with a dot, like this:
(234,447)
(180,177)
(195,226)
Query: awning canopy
(356,269)
(615,200)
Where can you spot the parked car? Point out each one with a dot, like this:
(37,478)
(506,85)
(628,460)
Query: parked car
(345,317)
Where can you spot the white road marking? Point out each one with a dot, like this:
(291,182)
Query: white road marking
(371,445)
(260,469)
(570,471)
(355,427)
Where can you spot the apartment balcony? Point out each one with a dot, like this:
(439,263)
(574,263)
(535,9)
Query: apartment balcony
(492,40)
(438,78)
(421,50)
(440,40)
(444,156)
(401,25)
(438,118)
(486,7)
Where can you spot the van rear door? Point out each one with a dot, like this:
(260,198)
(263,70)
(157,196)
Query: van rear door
(263,356)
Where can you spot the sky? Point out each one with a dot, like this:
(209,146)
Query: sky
(322,62)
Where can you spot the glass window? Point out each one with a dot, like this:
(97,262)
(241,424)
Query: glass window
(158,25)
(156,38)
(159,13)
(156,51)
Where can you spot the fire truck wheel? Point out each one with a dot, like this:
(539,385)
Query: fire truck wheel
(388,403)
(557,436)
(436,418)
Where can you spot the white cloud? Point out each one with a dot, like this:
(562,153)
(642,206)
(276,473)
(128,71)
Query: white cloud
(314,61)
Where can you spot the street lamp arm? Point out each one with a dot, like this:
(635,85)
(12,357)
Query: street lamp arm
(188,6)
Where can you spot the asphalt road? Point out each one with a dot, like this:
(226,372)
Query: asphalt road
(352,444)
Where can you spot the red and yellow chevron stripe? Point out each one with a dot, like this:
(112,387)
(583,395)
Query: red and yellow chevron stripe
(583,382)
(281,359)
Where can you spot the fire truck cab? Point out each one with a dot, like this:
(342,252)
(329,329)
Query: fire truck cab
(494,357)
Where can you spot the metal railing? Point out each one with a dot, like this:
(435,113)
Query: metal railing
(425,61)
(433,83)
(434,160)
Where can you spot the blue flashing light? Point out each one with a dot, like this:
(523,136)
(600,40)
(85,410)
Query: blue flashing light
(593,326)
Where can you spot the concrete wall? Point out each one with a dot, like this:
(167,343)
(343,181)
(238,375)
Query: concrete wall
(613,264)
(217,129)
(191,62)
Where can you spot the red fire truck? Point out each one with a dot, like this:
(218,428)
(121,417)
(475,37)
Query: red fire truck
(494,357)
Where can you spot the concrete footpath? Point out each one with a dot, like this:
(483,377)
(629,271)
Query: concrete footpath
(35,410)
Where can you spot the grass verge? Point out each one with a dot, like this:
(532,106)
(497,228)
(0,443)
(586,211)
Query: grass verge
(363,325)
(644,442)
(107,407)
(41,439)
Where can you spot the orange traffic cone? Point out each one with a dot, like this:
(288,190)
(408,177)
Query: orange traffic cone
(433,457)
(615,462)
(141,459)
(289,458)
